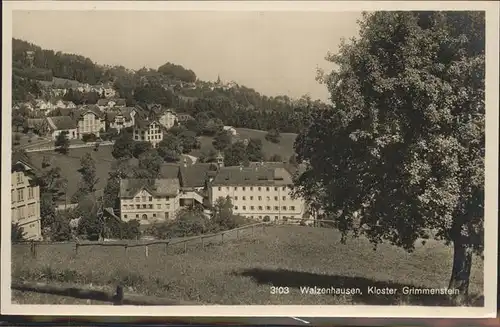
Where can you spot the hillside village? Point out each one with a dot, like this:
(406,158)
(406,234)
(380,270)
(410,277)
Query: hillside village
(157,179)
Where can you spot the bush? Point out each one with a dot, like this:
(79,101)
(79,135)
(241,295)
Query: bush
(110,134)
(131,229)
(17,233)
(273,136)
(89,137)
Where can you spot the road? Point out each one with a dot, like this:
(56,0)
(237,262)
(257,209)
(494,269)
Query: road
(45,147)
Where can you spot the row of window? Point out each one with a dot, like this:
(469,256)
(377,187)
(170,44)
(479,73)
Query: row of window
(93,127)
(149,138)
(268,198)
(144,206)
(145,216)
(275,217)
(147,198)
(20,213)
(19,177)
(20,195)
(244,188)
(260,208)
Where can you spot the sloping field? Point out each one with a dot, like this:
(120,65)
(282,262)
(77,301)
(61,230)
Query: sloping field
(284,148)
(70,164)
(243,271)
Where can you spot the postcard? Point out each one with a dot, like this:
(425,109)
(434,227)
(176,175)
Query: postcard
(258,159)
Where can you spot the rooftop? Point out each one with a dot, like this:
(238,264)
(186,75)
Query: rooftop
(252,176)
(158,188)
(194,175)
(59,123)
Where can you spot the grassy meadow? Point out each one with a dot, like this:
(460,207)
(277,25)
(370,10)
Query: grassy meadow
(70,164)
(241,271)
(284,148)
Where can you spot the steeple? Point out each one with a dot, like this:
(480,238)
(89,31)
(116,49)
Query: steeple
(218,79)
(220,160)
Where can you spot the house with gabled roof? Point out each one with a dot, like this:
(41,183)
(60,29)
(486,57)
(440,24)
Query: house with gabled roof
(106,104)
(167,118)
(60,124)
(25,196)
(121,118)
(184,117)
(147,130)
(149,201)
(89,120)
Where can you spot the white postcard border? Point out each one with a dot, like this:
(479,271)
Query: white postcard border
(491,162)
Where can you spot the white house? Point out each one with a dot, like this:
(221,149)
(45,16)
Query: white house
(149,202)
(89,120)
(231,130)
(262,193)
(25,197)
(121,118)
(167,118)
(59,124)
(148,130)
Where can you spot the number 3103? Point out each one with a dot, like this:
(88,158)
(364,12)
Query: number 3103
(279,290)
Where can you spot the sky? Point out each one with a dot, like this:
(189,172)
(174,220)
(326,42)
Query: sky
(276,53)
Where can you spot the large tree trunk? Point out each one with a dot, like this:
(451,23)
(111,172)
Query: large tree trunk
(462,262)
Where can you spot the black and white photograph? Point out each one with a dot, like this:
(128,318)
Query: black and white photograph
(238,158)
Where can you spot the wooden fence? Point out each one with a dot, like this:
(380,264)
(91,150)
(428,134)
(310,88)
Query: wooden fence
(117,298)
(146,245)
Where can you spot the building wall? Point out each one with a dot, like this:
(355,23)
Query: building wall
(259,201)
(120,124)
(109,93)
(153,134)
(25,205)
(168,120)
(72,133)
(90,123)
(155,208)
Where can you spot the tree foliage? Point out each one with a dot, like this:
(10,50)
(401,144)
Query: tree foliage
(88,173)
(403,150)
(235,155)
(54,64)
(221,140)
(123,146)
(62,142)
(170,148)
(17,233)
(140,148)
(273,135)
(177,72)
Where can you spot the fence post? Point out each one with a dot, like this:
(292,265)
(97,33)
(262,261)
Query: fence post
(33,249)
(147,251)
(76,249)
(126,249)
(222,237)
